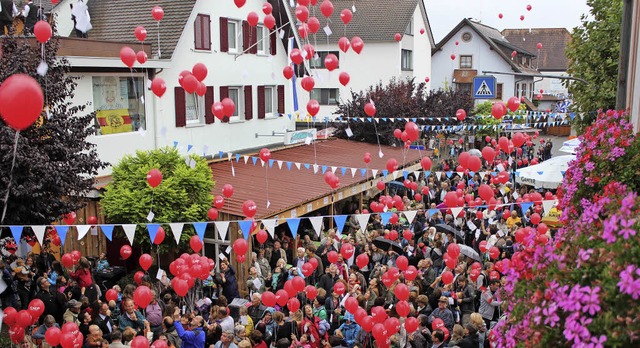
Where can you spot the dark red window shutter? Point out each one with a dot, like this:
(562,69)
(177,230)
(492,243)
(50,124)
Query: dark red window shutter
(208,103)
(224,34)
(181,107)
(246,33)
(281,100)
(224,93)
(254,40)
(273,40)
(248,102)
(261,111)
(202,32)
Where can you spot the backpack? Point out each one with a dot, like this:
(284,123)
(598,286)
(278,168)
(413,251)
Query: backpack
(323,329)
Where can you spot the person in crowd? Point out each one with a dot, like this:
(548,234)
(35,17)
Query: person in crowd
(256,310)
(227,280)
(226,340)
(131,318)
(489,302)
(23,274)
(54,302)
(72,313)
(153,314)
(170,332)
(349,330)
(103,263)
(48,322)
(82,275)
(104,321)
(438,339)
(194,337)
(309,325)
(116,340)
(466,298)
(8,10)
(443,312)
(276,254)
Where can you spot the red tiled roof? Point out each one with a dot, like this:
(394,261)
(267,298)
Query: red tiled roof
(289,189)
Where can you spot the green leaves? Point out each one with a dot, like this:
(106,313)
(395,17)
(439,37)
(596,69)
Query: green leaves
(183,196)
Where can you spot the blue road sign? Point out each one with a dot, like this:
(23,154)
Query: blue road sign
(484,87)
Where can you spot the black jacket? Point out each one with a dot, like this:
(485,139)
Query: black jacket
(54,304)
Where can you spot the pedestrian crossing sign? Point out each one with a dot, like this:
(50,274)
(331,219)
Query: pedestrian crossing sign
(484,87)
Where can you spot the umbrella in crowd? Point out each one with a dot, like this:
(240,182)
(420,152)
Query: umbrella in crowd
(386,244)
(469,252)
(444,228)
(548,174)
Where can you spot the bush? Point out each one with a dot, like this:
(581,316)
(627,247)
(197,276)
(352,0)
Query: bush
(582,288)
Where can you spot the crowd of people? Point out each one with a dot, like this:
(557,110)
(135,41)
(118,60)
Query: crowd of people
(453,297)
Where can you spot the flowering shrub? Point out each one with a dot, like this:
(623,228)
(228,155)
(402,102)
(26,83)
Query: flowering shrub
(581,288)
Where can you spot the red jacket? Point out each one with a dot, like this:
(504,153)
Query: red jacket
(83,277)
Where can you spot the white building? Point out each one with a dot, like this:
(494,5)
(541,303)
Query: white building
(130,117)
(472,49)
(376,22)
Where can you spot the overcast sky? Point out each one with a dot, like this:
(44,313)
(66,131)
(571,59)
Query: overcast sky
(444,15)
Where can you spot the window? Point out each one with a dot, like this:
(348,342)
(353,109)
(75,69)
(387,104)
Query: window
(466,62)
(499,91)
(118,104)
(263,40)
(464,87)
(233,37)
(270,100)
(317,62)
(194,109)
(407,60)
(235,94)
(202,32)
(409,28)
(326,96)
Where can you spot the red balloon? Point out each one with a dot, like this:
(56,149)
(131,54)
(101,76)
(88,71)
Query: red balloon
(128,56)
(474,164)
(249,208)
(24,318)
(195,243)
(268,299)
(403,308)
(21,101)
(402,262)
(379,332)
(332,256)
(199,71)
(331,62)
(293,304)
(461,114)
(397,36)
(410,273)
(380,185)
(16,334)
(402,292)
(513,103)
(158,86)
(488,153)
(229,107)
(310,291)
(344,78)
(240,246)
(344,44)
(314,24)
(346,16)
(139,342)
(494,252)
(498,110)
(262,236)
(42,31)
(137,277)
(307,83)
(362,260)
(145,261)
(140,33)
(52,336)
(326,8)
(296,56)
(142,296)
(454,250)
(227,191)
(339,288)
(411,324)
(535,218)
(447,277)
(157,12)
(125,252)
(370,109)
(347,250)
(425,162)
(288,72)
(67,260)
(392,165)
(252,18)
(111,295)
(313,107)
(483,246)
(518,139)
(282,296)
(357,44)
(154,178)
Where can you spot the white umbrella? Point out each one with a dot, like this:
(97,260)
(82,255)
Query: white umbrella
(570,146)
(548,174)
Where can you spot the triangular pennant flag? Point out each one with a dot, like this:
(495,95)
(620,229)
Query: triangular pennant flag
(238,157)
(246,159)
(433,211)
(200,227)
(108,231)
(129,231)
(449,174)
(525,206)
(220,153)
(62,232)
(222,227)
(438,174)
(279,164)
(316,222)
(254,160)
(385,173)
(16,231)
(455,211)
(363,220)
(395,174)
(547,205)
(410,215)
(405,174)
(374,172)
(298,165)
(270,226)
(385,218)
(82,230)
(176,230)
(427,173)
(293,224)
(324,169)
(343,170)
(482,175)
(340,220)
(245,226)
(363,172)
(153,231)
(38,230)
(333,169)
(353,172)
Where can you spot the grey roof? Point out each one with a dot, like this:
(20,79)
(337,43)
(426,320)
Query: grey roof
(494,38)
(554,42)
(373,21)
(117,20)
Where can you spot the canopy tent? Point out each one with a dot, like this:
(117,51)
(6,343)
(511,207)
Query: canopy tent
(570,146)
(548,174)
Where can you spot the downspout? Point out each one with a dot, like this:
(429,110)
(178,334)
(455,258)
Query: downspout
(625,43)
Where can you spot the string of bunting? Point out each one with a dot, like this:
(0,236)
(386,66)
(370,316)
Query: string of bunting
(535,117)
(246,225)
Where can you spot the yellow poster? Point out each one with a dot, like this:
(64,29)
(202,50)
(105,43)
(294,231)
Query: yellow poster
(114,121)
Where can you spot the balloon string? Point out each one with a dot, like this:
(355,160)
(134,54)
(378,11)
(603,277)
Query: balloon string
(159,52)
(377,137)
(13,164)
(266,176)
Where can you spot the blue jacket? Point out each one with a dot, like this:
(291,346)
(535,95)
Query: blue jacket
(350,332)
(190,339)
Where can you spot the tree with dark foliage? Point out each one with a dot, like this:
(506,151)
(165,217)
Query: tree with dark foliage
(55,165)
(399,99)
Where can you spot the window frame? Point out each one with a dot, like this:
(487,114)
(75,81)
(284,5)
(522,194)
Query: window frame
(321,56)
(499,90)
(274,101)
(409,30)
(141,92)
(199,103)
(320,98)
(236,35)
(463,58)
(201,18)
(403,66)
(263,39)
(238,115)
